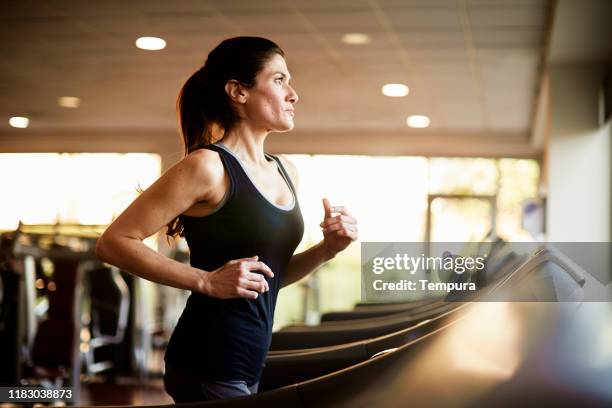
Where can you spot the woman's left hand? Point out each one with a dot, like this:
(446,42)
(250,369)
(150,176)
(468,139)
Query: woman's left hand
(338,231)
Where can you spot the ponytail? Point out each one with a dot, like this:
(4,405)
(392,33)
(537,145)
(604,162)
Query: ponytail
(193,119)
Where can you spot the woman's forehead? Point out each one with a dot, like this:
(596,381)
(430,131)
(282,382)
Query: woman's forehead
(276,64)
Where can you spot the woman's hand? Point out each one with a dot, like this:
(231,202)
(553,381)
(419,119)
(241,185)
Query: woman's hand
(338,231)
(235,279)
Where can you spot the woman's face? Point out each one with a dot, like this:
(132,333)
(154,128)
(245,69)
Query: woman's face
(269,104)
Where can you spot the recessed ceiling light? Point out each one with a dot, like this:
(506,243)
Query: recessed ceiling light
(69,102)
(19,122)
(418,121)
(151,43)
(395,90)
(356,38)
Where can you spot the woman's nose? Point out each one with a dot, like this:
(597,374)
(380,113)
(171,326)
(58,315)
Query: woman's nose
(293,96)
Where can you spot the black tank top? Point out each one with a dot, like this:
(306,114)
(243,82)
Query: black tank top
(220,340)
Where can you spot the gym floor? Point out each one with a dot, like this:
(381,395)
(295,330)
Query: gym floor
(125,392)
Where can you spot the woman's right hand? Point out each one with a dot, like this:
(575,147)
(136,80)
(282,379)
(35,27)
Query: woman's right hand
(236,279)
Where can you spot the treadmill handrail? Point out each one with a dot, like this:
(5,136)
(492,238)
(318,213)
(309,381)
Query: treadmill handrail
(382,353)
(552,254)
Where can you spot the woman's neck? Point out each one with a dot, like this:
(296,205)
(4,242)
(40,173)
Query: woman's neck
(247,144)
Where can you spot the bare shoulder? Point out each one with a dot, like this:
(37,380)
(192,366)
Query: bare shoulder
(201,168)
(291,169)
(205,163)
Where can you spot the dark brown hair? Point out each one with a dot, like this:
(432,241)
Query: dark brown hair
(203,104)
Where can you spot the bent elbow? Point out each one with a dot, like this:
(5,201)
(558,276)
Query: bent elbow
(101,249)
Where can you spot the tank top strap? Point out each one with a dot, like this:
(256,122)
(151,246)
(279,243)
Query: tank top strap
(229,162)
(284,172)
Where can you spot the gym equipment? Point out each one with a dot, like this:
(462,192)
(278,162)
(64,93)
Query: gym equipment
(494,268)
(377,310)
(345,331)
(292,366)
(10,324)
(299,337)
(494,354)
(45,334)
(110,306)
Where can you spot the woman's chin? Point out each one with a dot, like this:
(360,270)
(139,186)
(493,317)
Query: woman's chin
(286,127)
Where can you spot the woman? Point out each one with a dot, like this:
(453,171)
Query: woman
(237,208)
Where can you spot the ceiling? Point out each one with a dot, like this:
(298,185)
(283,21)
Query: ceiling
(473,66)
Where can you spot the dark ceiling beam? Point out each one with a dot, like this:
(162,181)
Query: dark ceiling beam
(358,142)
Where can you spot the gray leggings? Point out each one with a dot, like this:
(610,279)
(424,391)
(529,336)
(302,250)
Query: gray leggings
(183,388)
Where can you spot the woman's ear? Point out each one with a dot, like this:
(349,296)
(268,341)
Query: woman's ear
(236,91)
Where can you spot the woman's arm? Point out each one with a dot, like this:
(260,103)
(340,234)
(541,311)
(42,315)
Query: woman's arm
(338,233)
(191,180)
(304,263)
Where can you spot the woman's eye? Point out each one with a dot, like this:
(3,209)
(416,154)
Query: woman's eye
(279,80)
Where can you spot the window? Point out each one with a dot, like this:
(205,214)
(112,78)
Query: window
(389,196)
(80,188)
